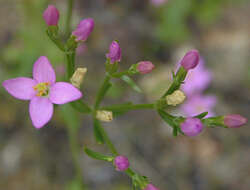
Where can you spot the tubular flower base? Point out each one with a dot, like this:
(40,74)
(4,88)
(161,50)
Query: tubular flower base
(43,91)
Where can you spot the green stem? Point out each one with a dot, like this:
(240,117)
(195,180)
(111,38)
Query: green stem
(70,64)
(108,141)
(118,75)
(69,16)
(102,91)
(127,107)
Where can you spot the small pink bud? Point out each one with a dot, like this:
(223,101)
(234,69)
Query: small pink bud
(234,121)
(121,163)
(145,67)
(191,126)
(84,29)
(151,187)
(51,15)
(190,60)
(114,52)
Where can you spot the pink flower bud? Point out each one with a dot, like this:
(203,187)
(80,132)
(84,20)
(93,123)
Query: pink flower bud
(150,187)
(83,30)
(51,15)
(145,67)
(114,52)
(121,163)
(234,121)
(191,126)
(190,60)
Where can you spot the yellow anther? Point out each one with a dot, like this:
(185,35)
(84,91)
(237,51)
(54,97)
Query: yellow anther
(42,88)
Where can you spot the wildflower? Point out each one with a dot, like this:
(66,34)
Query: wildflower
(43,91)
(190,60)
(197,79)
(150,187)
(114,52)
(84,29)
(191,126)
(177,97)
(78,77)
(145,67)
(121,163)
(197,104)
(51,15)
(234,121)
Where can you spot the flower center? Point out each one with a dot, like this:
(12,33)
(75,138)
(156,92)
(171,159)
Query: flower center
(42,89)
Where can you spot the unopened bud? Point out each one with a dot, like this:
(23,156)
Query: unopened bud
(104,115)
(190,60)
(177,97)
(84,29)
(114,52)
(145,67)
(78,77)
(121,163)
(51,15)
(191,127)
(234,121)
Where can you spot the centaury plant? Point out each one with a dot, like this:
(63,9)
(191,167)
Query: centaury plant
(43,91)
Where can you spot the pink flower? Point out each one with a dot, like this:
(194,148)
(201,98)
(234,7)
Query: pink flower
(84,29)
(197,104)
(150,187)
(121,163)
(114,52)
(234,121)
(192,126)
(51,15)
(43,91)
(145,67)
(197,79)
(190,60)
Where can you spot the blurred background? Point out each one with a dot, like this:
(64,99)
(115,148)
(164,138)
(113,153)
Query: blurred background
(157,30)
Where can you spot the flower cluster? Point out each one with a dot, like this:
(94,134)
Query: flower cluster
(43,91)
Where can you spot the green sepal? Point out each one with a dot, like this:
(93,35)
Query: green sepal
(169,119)
(217,121)
(97,133)
(80,106)
(178,79)
(52,32)
(131,83)
(97,155)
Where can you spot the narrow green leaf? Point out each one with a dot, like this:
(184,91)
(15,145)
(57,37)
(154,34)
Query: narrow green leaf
(202,115)
(175,131)
(80,106)
(97,155)
(97,133)
(169,119)
(131,83)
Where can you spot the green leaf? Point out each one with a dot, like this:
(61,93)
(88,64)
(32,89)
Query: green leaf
(175,131)
(202,115)
(97,133)
(80,106)
(97,155)
(131,83)
(169,119)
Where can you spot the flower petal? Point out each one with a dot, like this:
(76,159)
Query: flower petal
(43,71)
(21,87)
(41,111)
(63,92)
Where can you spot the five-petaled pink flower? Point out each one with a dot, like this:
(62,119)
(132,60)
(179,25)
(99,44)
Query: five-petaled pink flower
(43,91)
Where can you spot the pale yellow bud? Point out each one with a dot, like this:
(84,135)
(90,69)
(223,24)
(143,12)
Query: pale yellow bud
(104,115)
(177,97)
(78,77)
